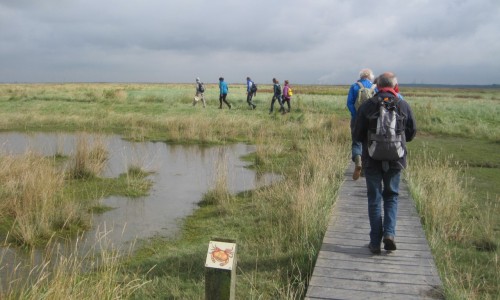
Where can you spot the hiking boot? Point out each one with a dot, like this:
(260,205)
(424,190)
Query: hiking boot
(254,106)
(357,167)
(374,249)
(229,106)
(389,243)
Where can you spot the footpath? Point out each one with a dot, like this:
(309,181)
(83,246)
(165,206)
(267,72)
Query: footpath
(346,269)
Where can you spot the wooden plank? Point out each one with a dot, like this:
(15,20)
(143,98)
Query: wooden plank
(380,274)
(323,293)
(399,267)
(346,269)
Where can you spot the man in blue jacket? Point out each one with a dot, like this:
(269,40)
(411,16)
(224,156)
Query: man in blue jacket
(366,80)
(223,89)
(383,177)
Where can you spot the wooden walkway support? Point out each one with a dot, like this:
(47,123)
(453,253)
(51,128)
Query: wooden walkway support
(346,269)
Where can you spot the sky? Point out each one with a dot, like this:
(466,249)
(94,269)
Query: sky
(304,41)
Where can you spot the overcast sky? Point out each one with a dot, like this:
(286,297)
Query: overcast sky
(305,41)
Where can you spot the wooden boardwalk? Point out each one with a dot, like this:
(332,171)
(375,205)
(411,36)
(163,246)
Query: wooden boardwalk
(346,269)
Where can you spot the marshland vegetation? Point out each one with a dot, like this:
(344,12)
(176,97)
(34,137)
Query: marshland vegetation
(453,175)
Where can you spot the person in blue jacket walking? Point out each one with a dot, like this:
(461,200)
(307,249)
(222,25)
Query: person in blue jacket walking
(366,80)
(224,89)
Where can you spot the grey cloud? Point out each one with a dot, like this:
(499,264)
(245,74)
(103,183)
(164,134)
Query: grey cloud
(306,41)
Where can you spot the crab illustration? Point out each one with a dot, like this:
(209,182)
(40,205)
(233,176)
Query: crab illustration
(220,255)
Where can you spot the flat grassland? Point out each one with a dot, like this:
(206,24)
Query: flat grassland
(453,175)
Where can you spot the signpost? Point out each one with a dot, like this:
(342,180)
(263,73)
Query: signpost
(220,270)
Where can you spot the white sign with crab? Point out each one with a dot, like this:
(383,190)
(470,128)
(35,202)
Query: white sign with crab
(220,255)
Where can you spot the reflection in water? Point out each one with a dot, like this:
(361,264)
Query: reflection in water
(181,175)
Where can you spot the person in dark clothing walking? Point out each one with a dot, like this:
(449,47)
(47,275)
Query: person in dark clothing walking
(383,177)
(251,91)
(276,96)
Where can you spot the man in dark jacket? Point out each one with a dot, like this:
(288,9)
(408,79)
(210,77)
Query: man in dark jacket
(277,96)
(383,177)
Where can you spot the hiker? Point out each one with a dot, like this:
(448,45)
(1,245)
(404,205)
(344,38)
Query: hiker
(200,90)
(276,96)
(384,115)
(287,95)
(251,91)
(224,89)
(359,91)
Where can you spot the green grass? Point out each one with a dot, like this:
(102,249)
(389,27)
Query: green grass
(461,134)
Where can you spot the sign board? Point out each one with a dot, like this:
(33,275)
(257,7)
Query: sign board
(220,255)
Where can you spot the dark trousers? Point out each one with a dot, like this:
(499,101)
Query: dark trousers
(249,99)
(222,97)
(276,97)
(287,101)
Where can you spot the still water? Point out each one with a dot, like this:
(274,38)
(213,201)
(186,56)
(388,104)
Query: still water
(180,175)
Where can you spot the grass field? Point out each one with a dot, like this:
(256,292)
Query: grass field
(453,176)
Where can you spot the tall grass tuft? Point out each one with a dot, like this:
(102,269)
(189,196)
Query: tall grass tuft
(31,189)
(136,185)
(88,161)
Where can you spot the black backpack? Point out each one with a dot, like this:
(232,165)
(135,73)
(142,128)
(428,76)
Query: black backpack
(253,89)
(386,135)
(277,89)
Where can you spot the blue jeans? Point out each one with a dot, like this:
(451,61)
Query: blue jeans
(356,147)
(382,186)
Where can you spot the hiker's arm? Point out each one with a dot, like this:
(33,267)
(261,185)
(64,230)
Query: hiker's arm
(351,99)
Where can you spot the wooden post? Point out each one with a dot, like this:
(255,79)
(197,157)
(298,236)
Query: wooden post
(220,270)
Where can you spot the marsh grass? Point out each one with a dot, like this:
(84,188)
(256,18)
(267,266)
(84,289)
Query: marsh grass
(65,273)
(32,198)
(441,198)
(89,159)
(136,182)
(40,197)
(476,116)
(453,175)
(459,229)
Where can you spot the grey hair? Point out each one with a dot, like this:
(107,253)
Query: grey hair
(387,79)
(366,73)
